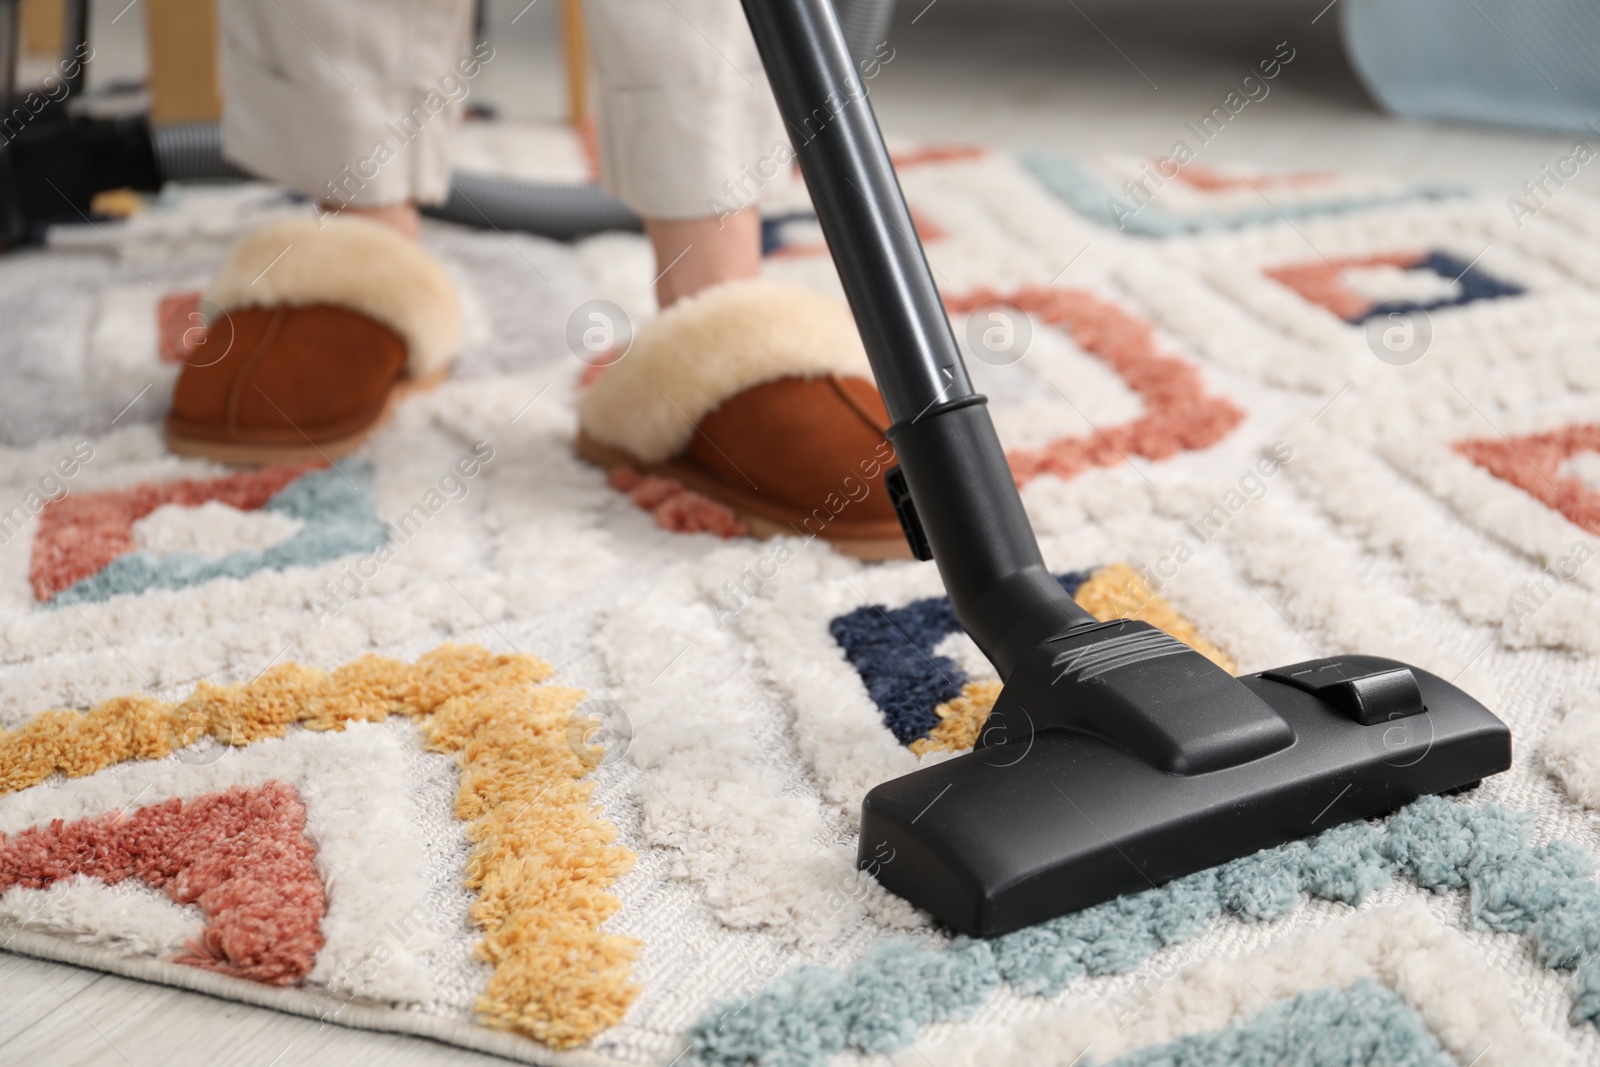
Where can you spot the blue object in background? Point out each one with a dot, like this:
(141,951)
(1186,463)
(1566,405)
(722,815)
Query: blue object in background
(1528,63)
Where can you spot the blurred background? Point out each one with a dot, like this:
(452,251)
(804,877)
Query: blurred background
(1090,76)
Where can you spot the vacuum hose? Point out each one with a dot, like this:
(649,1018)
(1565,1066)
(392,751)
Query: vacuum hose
(192,152)
(559,211)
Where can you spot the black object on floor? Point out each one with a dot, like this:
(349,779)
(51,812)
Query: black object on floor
(52,167)
(1116,758)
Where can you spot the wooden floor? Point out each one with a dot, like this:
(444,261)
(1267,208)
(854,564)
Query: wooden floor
(967,71)
(52,1014)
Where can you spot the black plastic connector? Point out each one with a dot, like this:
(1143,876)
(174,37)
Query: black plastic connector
(905,509)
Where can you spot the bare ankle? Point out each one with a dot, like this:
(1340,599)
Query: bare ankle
(695,254)
(403,218)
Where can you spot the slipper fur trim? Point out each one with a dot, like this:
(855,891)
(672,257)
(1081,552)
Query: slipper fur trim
(712,346)
(353,263)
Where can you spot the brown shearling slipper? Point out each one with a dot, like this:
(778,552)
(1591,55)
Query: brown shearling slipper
(316,331)
(758,395)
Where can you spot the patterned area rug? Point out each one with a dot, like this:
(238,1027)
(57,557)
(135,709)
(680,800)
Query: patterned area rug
(459,738)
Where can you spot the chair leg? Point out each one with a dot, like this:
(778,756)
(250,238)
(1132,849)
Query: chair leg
(182,37)
(576,47)
(42,23)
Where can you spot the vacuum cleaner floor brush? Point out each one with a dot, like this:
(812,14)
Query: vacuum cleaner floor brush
(1116,757)
(1051,820)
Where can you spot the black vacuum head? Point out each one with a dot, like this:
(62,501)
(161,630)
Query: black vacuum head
(1117,759)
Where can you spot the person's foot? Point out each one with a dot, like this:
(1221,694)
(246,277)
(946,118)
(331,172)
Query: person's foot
(317,327)
(758,395)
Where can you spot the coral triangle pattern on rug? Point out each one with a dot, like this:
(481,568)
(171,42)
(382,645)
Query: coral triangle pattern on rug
(1534,463)
(241,855)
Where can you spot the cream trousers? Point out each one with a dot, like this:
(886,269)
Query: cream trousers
(356,101)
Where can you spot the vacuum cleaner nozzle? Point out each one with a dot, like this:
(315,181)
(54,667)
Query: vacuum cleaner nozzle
(1113,763)
(1115,758)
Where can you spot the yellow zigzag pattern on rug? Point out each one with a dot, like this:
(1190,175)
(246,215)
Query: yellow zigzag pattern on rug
(542,862)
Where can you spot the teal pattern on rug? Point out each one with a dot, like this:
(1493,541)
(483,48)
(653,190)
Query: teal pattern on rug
(1090,196)
(335,506)
(1364,1024)
(1546,893)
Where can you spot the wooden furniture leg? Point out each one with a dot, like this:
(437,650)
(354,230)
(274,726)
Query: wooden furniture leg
(182,36)
(576,47)
(42,24)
